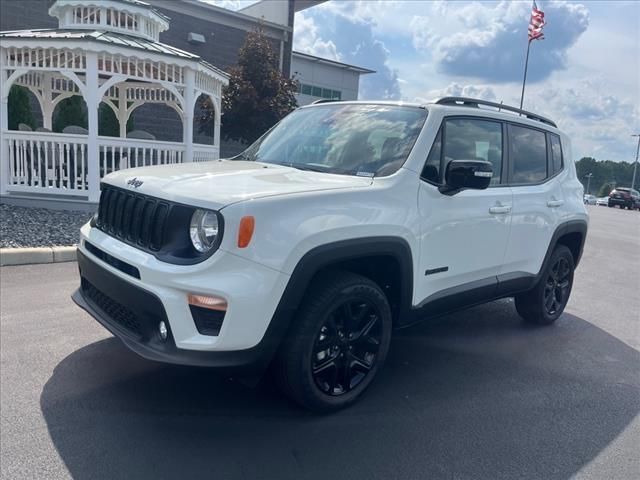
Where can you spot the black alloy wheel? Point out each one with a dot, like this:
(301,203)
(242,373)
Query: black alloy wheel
(544,303)
(346,347)
(557,288)
(337,342)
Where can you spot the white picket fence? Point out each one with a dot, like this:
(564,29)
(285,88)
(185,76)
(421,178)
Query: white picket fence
(55,163)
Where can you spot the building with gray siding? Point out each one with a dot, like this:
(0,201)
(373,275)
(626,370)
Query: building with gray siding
(320,78)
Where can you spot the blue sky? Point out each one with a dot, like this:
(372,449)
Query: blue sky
(585,74)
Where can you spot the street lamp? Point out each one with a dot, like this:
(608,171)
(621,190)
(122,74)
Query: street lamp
(588,177)
(635,165)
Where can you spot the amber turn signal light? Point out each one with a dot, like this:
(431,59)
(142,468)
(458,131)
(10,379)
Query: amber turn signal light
(245,231)
(210,302)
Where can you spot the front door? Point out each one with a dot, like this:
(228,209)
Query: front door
(464,236)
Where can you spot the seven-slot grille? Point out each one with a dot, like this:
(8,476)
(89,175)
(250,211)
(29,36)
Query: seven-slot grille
(137,219)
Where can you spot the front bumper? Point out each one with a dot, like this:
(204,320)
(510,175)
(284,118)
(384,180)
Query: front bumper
(133,314)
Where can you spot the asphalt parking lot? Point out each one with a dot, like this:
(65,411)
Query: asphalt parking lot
(474,395)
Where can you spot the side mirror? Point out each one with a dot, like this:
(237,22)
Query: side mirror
(463,174)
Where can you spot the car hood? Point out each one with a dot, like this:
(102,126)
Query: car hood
(220,183)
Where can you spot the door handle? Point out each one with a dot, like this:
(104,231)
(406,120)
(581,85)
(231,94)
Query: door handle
(500,209)
(555,203)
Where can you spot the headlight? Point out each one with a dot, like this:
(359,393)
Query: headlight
(204,230)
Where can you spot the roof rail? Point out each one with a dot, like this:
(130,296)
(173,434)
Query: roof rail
(474,102)
(324,100)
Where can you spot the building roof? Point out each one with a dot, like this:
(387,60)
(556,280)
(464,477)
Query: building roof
(113,38)
(346,66)
(300,5)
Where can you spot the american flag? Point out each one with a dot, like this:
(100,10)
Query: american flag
(536,23)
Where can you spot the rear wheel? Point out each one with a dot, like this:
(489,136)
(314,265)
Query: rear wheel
(546,301)
(337,344)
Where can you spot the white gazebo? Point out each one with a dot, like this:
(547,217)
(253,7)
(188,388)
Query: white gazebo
(105,51)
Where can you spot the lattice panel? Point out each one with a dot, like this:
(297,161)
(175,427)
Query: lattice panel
(45,58)
(208,84)
(140,68)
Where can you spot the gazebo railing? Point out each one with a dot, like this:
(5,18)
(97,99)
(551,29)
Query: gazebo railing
(51,161)
(120,153)
(204,153)
(58,163)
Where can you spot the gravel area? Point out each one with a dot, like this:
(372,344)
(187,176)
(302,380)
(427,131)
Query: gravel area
(39,227)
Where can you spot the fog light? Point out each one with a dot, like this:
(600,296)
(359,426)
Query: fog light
(162,329)
(208,301)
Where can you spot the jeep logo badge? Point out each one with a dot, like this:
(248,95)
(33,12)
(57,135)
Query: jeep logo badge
(134,182)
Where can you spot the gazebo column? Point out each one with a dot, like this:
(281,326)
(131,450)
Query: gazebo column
(47,105)
(189,102)
(217,125)
(4,126)
(123,115)
(93,102)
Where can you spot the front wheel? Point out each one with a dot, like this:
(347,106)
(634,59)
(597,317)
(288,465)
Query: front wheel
(546,301)
(337,343)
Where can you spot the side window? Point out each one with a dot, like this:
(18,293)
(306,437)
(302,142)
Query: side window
(474,139)
(528,154)
(556,153)
(431,170)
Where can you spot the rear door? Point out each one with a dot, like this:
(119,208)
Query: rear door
(535,162)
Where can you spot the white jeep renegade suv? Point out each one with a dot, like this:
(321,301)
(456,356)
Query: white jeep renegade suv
(343,222)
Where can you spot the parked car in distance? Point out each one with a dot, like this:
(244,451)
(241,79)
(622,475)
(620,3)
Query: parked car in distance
(624,197)
(345,221)
(602,201)
(589,199)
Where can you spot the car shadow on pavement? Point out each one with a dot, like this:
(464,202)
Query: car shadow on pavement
(475,394)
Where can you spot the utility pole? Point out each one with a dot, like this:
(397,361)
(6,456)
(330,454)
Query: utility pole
(635,165)
(588,177)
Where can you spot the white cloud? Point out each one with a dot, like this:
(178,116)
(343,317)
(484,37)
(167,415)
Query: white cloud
(483,92)
(307,39)
(422,33)
(491,44)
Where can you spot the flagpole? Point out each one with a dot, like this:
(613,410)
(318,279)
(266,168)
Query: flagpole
(524,80)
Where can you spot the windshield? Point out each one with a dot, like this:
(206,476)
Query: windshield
(348,139)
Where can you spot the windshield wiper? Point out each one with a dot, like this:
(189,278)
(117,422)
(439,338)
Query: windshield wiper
(311,167)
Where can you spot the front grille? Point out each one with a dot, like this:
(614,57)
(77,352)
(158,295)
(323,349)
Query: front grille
(114,310)
(113,261)
(136,219)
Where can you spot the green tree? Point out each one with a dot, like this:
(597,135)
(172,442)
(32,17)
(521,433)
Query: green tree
(258,94)
(70,111)
(605,173)
(108,125)
(19,107)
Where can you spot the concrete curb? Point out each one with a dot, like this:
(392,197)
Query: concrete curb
(31,256)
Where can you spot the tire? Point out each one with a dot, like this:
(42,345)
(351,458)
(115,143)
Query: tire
(610,206)
(337,343)
(544,304)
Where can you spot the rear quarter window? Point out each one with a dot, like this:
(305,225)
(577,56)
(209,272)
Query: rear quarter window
(556,153)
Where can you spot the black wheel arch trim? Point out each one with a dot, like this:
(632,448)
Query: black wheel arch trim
(329,254)
(571,226)
(326,255)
